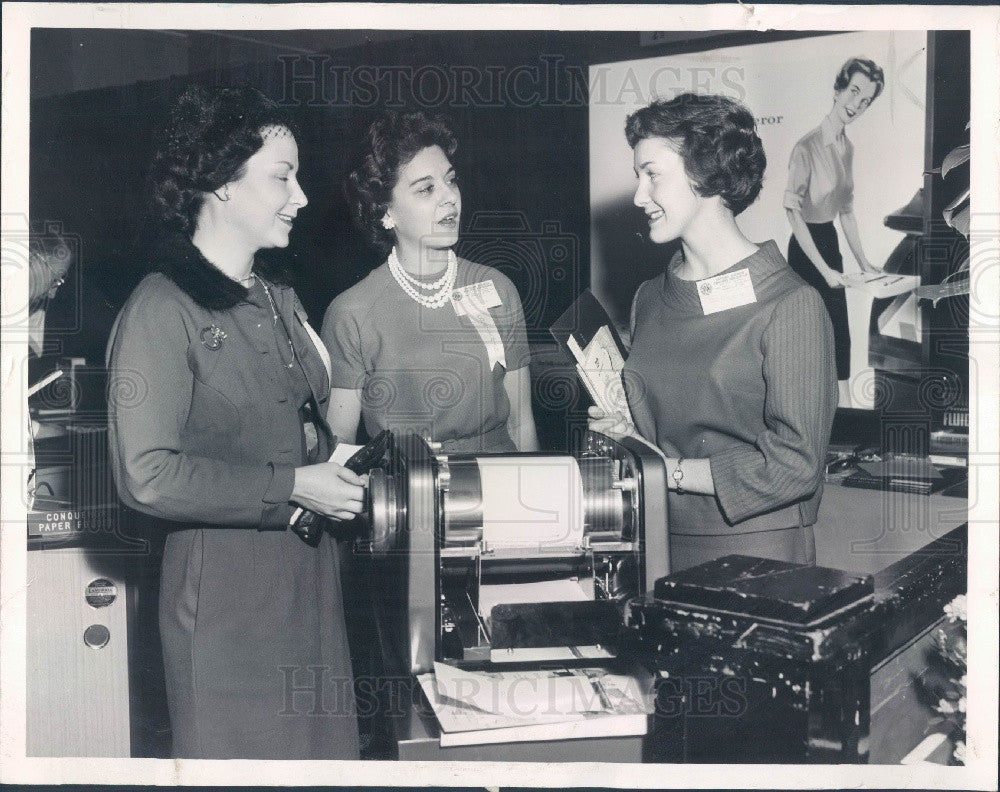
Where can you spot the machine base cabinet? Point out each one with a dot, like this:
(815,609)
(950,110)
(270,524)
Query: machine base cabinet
(77,655)
(762,713)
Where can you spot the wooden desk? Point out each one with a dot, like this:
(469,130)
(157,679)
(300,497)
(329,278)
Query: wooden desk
(862,530)
(865,531)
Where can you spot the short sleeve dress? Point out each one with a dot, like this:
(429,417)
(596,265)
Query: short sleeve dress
(427,370)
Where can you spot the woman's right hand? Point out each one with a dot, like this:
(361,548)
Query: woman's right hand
(329,489)
(834,279)
(615,425)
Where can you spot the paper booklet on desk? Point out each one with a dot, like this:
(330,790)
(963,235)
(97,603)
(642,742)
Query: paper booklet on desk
(475,708)
(587,332)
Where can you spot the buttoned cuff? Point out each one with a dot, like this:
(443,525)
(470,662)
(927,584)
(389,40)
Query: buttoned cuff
(277,511)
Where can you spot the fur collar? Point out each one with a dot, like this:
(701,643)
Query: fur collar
(177,258)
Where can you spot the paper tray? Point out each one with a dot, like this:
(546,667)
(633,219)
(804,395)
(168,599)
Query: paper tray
(628,700)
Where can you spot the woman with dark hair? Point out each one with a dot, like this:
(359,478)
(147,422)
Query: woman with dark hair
(820,189)
(217,397)
(730,372)
(427,342)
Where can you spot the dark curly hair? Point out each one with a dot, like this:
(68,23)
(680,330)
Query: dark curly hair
(209,135)
(863,66)
(390,143)
(717,139)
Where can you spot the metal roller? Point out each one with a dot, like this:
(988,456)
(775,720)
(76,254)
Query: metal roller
(604,503)
(463,498)
(607,503)
(380,503)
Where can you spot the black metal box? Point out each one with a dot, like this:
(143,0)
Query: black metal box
(758,661)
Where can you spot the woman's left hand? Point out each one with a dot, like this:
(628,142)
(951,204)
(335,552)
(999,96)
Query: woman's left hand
(868,267)
(615,425)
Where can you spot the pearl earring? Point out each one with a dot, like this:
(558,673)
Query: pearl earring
(388,223)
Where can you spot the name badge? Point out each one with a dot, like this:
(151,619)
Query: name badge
(729,290)
(474,301)
(476,297)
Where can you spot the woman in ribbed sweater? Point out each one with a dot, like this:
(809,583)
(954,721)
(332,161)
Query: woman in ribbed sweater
(731,371)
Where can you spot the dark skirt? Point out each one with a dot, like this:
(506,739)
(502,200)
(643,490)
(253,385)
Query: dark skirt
(255,647)
(835,300)
(797,545)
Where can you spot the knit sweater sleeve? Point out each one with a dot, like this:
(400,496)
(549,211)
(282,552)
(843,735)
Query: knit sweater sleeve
(785,463)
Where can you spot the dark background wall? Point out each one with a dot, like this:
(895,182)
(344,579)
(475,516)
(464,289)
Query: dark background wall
(518,102)
(90,143)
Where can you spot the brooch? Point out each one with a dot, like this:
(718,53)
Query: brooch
(212,336)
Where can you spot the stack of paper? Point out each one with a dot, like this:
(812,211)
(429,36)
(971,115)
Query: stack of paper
(526,706)
(599,365)
(902,466)
(902,319)
(587,333)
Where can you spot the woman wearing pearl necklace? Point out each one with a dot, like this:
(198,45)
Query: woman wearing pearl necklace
(427,342)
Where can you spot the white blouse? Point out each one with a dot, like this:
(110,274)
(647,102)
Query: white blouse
(820,181)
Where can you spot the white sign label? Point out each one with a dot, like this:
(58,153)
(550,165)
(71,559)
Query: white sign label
(475,301)
(729,290)
(476,296)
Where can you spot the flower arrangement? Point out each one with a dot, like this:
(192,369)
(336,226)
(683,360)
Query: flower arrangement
(950,657)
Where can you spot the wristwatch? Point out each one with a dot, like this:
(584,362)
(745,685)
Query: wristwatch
(678,475)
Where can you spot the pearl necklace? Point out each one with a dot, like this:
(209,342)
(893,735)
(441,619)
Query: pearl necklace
(443,285)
